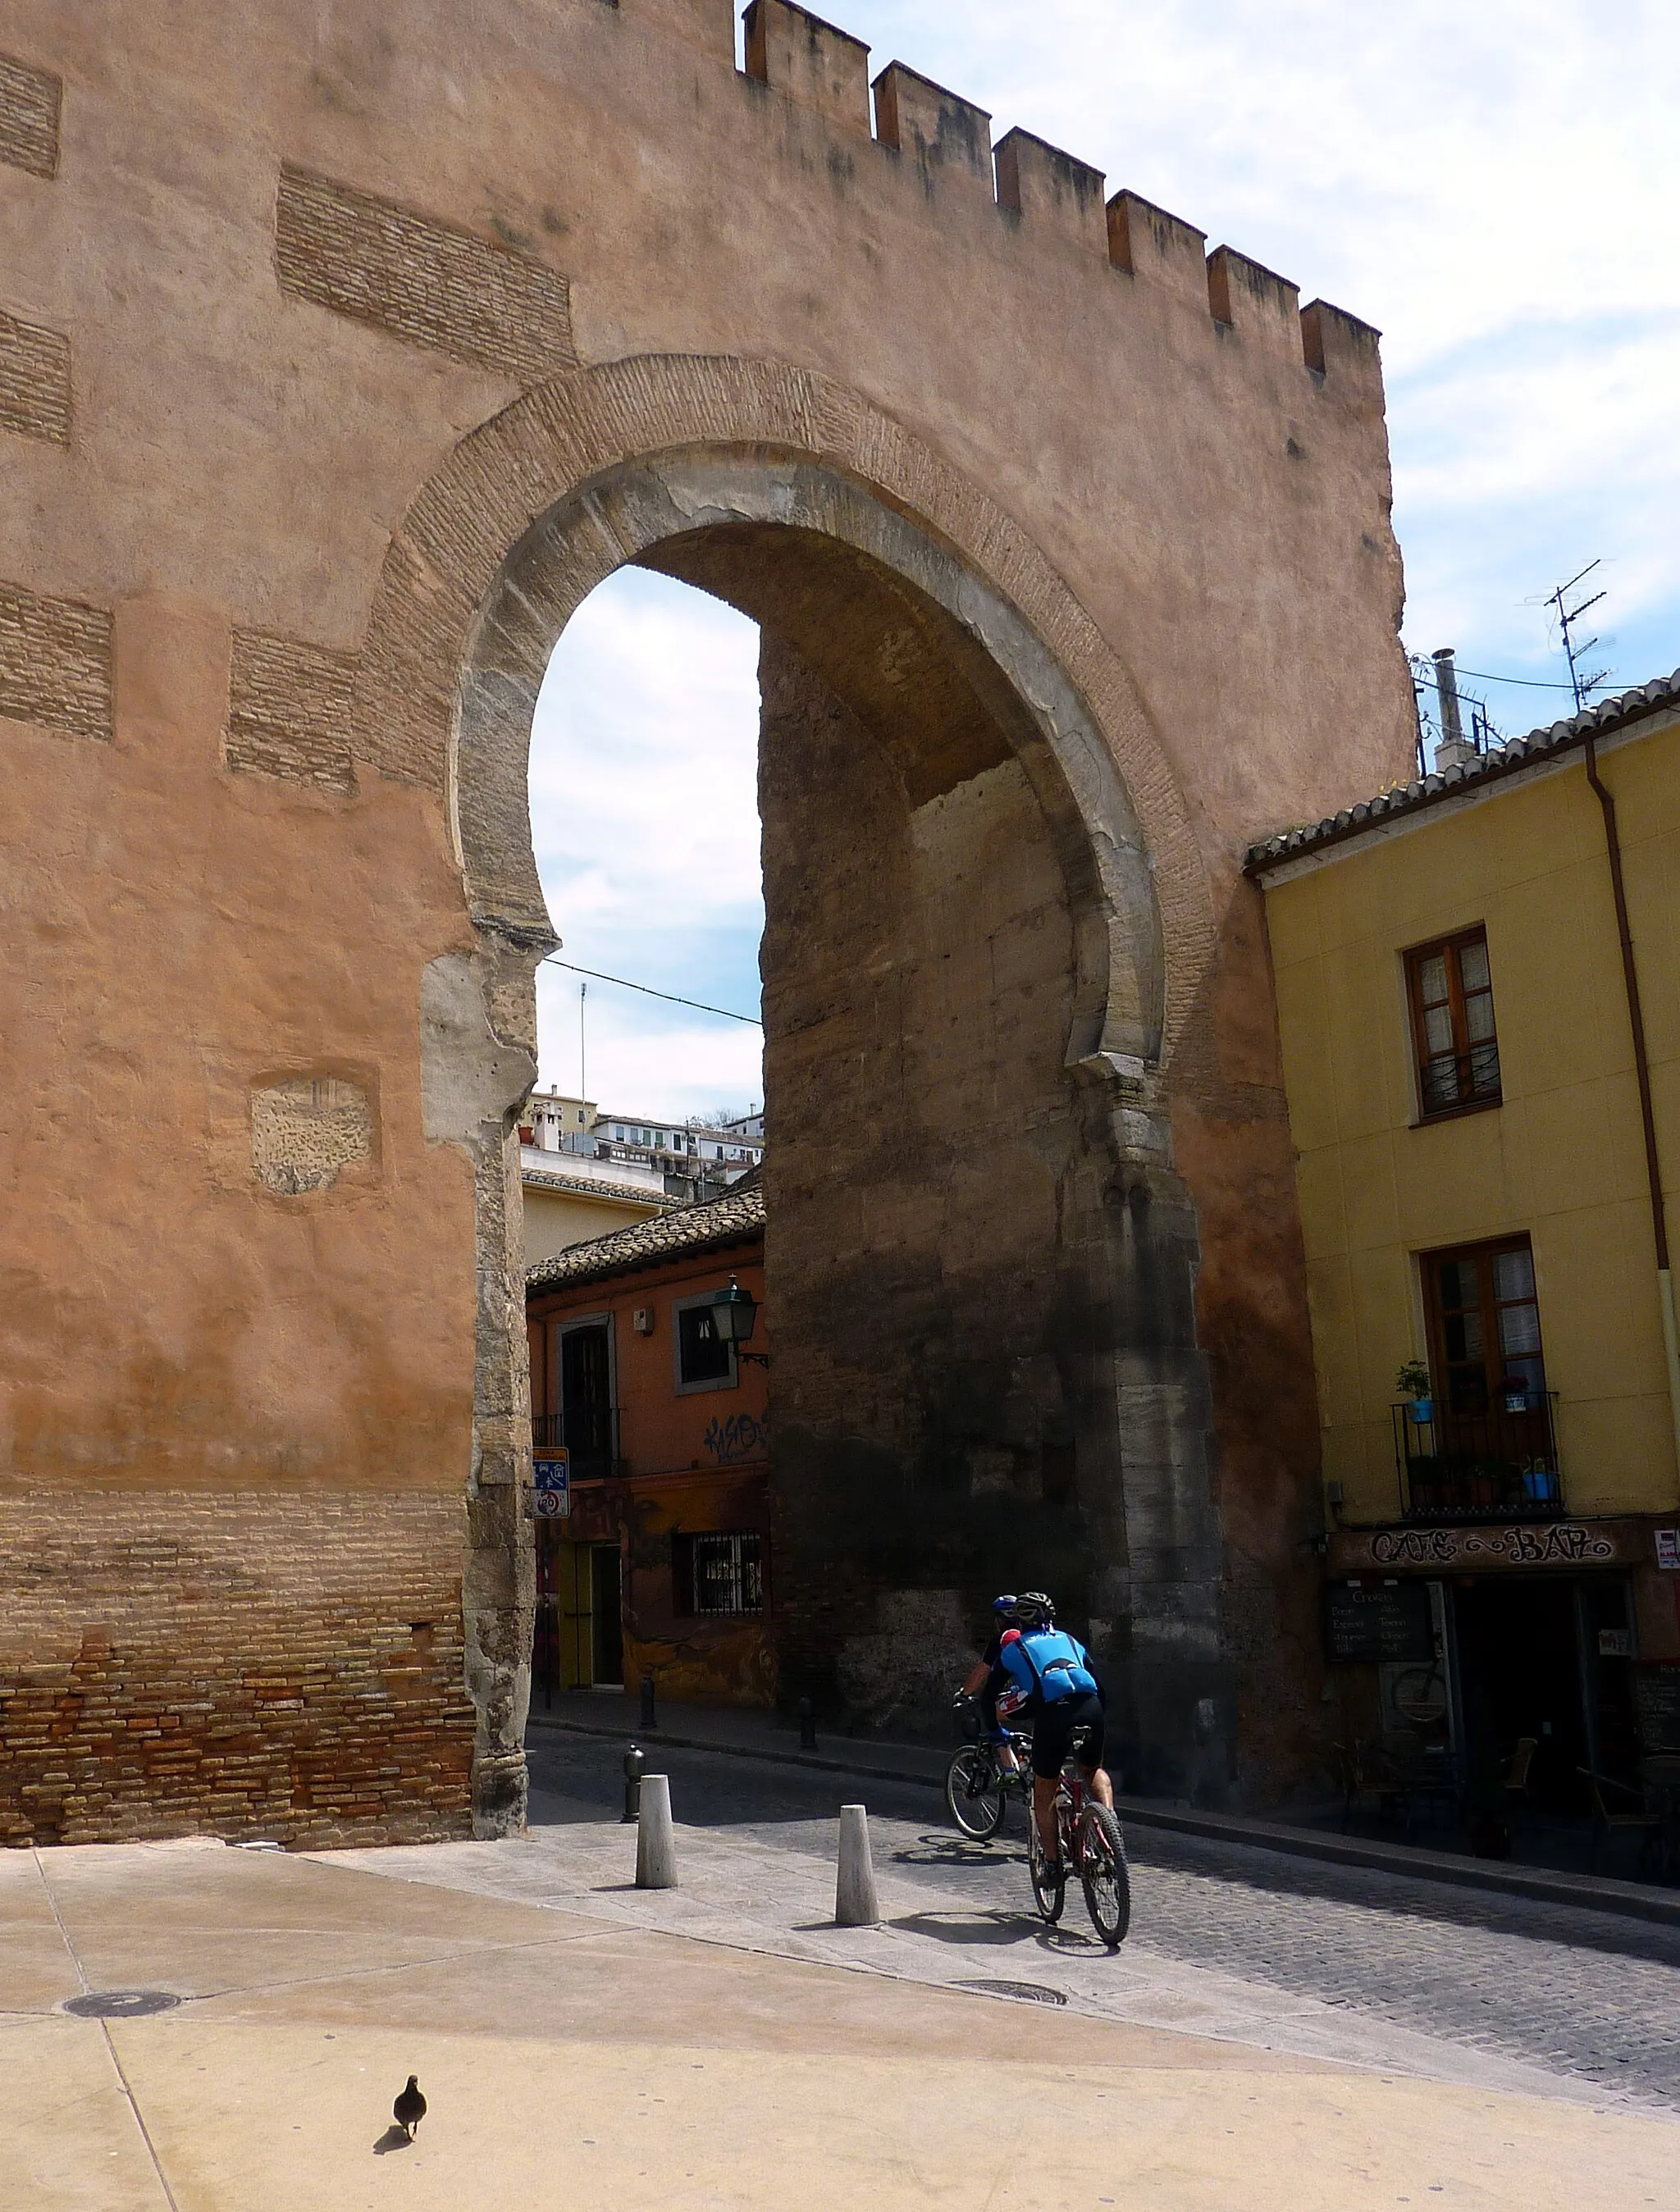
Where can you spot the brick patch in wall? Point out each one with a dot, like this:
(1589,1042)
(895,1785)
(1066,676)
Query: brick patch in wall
(288,709)
(422,280)
(35,381)
(285,1665)
(55,663)
(29,103)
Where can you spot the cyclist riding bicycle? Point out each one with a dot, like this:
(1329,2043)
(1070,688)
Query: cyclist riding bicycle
(987,1680)
(1060,1693)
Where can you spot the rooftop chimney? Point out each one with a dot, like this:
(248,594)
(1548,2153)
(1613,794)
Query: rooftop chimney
(1455,749)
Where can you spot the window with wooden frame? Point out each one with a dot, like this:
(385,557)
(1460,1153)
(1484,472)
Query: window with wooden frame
(1484,1329)
(1451,994)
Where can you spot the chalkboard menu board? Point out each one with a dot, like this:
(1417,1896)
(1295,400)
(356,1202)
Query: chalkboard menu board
(1656,1701)
(1391,1621)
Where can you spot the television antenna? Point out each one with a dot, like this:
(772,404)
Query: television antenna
(1575,649)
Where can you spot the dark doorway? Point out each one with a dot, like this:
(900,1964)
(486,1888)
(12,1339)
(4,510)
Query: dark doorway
(609,1620)
(586,1400)
(1519,1672)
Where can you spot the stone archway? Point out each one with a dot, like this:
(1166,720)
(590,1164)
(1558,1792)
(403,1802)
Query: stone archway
(893,594)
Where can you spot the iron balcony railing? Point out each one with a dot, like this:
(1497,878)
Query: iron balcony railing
(1455,1079)
(594,1455)
(1500,1464)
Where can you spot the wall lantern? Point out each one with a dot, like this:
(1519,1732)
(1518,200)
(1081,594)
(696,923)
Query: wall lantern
(734,1316)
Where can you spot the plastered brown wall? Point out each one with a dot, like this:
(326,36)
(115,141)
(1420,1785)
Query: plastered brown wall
(308,421)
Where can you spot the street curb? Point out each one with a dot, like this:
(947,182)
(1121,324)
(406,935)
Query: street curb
(653,1738)
(1628,1900)
(1632,1900)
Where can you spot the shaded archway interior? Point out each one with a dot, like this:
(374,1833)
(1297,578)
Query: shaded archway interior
(976,1254)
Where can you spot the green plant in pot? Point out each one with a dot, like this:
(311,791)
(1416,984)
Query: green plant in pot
(1413,1382)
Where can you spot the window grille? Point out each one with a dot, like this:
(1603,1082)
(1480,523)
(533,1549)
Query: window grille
(727,1574)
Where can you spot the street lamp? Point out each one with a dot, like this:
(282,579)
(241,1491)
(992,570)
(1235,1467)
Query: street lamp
(734,1316)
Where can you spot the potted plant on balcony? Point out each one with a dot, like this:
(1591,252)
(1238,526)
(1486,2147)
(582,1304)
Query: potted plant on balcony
(1413,1382)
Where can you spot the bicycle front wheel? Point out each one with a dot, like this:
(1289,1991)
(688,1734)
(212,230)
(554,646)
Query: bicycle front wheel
(1050,1890)
(1105,1876)
(972,1795)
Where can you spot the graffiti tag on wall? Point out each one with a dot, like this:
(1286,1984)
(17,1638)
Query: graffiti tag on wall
(738,1437)
(1559,1543)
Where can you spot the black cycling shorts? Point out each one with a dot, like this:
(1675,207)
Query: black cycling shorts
(1054,1726)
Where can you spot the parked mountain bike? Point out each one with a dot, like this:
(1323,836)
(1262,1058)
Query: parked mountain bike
(977,1786)
(1093,1847)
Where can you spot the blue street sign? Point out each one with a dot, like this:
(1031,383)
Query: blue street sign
(553,1498)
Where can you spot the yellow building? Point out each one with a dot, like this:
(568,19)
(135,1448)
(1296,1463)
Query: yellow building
(1480,1205)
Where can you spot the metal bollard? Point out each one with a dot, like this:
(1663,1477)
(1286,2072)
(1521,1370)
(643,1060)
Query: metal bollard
(635,1759)
(648,1718)
(808,1726)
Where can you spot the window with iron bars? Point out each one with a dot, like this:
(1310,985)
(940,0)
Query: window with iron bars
(717,1574)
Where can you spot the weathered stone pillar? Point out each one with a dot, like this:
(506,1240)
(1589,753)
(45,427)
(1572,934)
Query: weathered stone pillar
(980,1263)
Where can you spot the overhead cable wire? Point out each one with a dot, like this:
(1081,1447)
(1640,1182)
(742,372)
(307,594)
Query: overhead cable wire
(724,1013)
(1528,683)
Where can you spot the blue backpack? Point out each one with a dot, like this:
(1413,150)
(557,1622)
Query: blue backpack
(1058,1663)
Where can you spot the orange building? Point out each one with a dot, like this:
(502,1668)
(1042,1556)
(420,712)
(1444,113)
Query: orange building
(661,1564)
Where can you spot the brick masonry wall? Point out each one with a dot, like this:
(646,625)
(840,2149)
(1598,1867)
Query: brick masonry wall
(55,663)
(35,381)
(29,102)
(284,1665)
(288,709)
(421,280)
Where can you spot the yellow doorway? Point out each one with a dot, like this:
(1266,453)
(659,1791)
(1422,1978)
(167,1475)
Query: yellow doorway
(583,1588)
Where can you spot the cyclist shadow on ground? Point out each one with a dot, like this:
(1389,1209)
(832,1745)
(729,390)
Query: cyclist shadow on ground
(944,1849)
(994,1927)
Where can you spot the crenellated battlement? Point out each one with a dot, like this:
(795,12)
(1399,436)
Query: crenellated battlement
(1040,188)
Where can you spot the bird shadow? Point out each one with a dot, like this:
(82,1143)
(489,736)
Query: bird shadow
(395,2138)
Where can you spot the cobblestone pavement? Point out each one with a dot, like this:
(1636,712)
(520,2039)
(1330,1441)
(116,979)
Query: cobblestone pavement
(1582,1994)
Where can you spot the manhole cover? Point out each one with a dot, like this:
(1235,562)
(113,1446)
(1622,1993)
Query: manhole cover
(120,2004)
(1028,1992)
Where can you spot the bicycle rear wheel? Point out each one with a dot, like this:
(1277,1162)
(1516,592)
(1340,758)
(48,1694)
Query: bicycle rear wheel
(1105,1876)
(972,1795)
(1049,1893)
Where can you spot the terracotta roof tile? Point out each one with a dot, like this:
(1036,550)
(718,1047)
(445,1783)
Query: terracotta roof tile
(733,1219)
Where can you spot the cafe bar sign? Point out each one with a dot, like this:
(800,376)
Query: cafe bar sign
(1480,1549)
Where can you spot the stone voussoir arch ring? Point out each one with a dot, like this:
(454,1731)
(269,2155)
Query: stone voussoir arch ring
(457,637)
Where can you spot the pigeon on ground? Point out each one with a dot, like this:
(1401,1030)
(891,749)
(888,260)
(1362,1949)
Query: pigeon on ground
(410,2108)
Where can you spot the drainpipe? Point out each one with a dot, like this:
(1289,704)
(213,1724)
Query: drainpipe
(1643,1071)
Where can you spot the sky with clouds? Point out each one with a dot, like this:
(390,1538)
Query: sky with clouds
(1492,184)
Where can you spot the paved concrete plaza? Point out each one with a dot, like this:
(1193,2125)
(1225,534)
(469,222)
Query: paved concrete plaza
(1266,2038)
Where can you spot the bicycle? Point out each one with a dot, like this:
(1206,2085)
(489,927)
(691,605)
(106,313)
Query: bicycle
(977,1787)
(1092,1845)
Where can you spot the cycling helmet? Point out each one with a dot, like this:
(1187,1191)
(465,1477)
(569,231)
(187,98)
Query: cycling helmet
(1034,1610)
(1004,1608)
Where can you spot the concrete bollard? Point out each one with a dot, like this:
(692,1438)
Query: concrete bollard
(854,1902)
(655,1838)
(635,1759)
